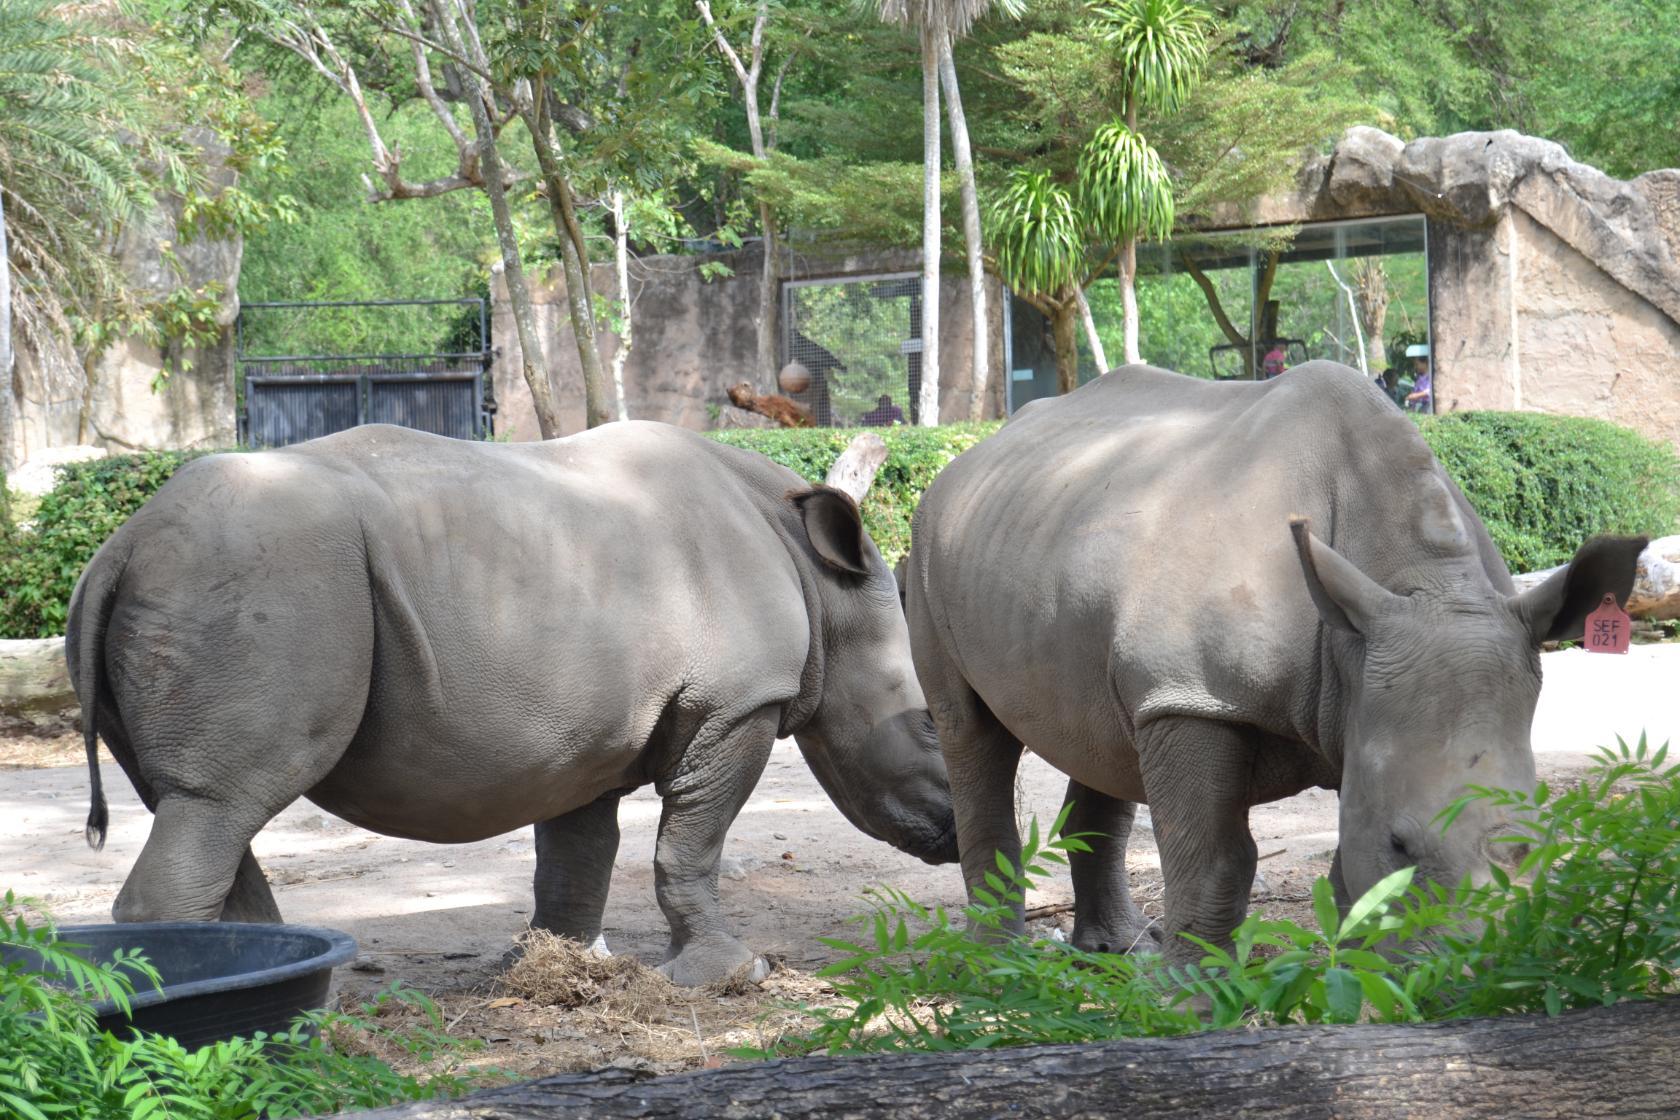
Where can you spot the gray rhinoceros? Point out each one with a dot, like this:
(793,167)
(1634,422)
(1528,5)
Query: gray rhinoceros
(445,640)
(1124,579)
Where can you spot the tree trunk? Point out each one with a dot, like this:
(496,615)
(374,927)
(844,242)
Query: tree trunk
(1128,300)
(8,402)
(621,265)
(1621,1062)
(855,470)
(533,362)
(1371,282)
(1092,338)
(933,34)
(1064,332)
(769,288)
(980,364)
(1656,580)
(574,261)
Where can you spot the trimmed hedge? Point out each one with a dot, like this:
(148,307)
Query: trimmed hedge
(914,457)
(1542,484)
(39,566)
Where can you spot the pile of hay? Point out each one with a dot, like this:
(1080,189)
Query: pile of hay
(555,971)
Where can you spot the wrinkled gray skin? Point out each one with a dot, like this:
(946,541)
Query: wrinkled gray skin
(445,640)
(1114,579)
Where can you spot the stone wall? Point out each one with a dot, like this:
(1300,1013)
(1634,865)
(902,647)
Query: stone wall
(56,403)
(1553,287)
(695,337)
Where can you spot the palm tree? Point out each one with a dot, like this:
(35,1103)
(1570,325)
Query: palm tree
(1161,48)
(938,23)
(1052,239)
(65,181)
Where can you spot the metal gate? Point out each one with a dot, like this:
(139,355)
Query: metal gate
(860,339)
(416,365)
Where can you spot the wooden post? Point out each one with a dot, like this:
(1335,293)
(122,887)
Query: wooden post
(33,675)
(855,470)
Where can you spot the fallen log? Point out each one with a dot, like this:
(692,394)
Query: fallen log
(1656,582)
(1621,1061)
(33,675)
(854,471)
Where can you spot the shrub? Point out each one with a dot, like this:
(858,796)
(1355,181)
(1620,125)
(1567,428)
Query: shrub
(39,566)
(1543,484)
(914,457)
(1589,919)
(56,1063)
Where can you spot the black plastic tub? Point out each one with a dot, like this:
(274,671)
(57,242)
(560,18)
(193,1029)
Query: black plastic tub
(219,979)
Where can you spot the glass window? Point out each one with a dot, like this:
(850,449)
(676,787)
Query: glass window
(1253,303)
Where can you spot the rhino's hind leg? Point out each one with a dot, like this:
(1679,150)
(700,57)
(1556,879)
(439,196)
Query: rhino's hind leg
(575,853)
(982,758)
(250,900)
(187,870)
(1197,775)
(1105,919)
(702,796)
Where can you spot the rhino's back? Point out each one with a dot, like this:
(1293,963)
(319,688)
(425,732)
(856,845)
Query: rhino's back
(1128,544)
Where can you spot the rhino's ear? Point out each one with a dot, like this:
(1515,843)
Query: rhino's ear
(834,527)
(1346,597)
(1557,609)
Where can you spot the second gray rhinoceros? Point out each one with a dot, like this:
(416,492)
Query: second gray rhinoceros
(1208,596)
(445,640)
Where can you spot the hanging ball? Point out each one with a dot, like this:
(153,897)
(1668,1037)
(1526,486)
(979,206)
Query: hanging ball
(794,378)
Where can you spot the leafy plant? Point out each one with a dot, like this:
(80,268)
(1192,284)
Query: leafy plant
(56,1063)
(1543,484)
(1590,918)
(39,568)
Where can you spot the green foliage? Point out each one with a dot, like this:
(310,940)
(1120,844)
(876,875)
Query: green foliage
(1589,919)
(1543,484)
(914,457)
(1590,74)
(39,566)
(1160,45)
(56,1064)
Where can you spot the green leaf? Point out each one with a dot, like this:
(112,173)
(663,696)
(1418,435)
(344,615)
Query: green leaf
(1324,908)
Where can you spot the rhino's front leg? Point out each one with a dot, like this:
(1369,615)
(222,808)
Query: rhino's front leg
(1196,773)
(575,853)
(702,795)
(1105,919)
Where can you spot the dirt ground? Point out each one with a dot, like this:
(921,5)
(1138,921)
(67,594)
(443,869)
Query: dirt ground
(440,918)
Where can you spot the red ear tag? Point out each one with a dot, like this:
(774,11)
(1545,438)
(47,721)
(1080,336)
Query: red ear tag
(1608,628)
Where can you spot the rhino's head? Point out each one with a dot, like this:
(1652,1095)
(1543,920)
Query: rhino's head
(870,741)
(1442,688)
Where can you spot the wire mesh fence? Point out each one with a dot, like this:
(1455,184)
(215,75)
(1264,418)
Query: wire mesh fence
(859,341)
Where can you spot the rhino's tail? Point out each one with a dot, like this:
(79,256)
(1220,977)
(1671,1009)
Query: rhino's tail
(84,650)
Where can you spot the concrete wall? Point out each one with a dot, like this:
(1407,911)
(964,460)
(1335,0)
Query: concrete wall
(695,337)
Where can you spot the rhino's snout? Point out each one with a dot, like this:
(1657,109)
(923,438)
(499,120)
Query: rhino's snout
(940,848)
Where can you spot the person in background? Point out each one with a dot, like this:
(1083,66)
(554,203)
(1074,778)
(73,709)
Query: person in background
(1422,396)
(884,415)
(1389,382)
(1272,364)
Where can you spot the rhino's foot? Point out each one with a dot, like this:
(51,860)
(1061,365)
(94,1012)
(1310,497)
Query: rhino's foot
(712,961)
(1132,936)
